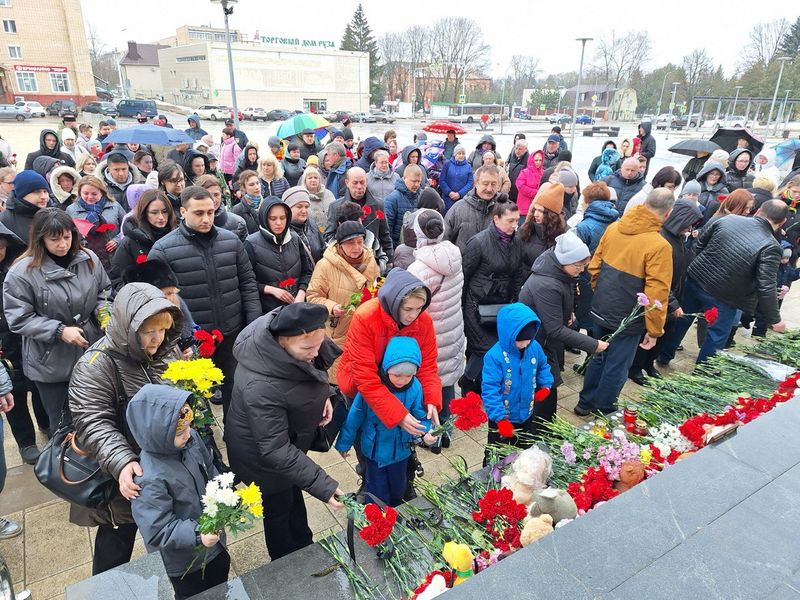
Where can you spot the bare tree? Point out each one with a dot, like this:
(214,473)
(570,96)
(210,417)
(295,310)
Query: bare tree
(418,46)
(393,51)
(763,42)
(697,68)
(618,57)
(103,61)
(523,72)
(457,51)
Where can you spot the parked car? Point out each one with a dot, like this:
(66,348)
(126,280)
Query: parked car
(104,94)
(331,117)
(363,118)
(559,118)
(213,111)
(341,115)
(10,111)
(680,121)
(36,109)
(131,107)
(101,108)
(255,114)
(62,107)
(279,114)
(383,117)
(584,120)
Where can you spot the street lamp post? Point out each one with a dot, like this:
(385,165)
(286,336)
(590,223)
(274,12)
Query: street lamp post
(735,100)
(227,11)
(783,60)
(671,107)
(577,91)
(119,68)
(661,95)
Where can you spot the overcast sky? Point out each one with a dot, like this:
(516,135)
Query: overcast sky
(543,29)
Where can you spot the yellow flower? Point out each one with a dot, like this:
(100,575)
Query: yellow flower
(256,510)
(646,456)
(197,376)
(250,495)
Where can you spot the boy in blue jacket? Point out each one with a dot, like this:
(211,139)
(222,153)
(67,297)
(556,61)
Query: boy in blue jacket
(177,466)
(515,374)
(385,450)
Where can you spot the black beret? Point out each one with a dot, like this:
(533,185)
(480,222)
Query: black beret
(298,318)
(349,230)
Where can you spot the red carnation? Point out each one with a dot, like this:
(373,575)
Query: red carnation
(287,283)
(217,335)
(380,215)
(208,342)
(367,210)
(505,428)
(711,315)
(468,411)
(105,227)
(380,524)
(141,258)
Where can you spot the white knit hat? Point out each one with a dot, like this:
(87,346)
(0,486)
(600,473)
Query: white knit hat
(570,249)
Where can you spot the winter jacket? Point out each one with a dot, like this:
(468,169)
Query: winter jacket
(64,198)
(275,188)
(759,196)
(307,150)
(383,445)
(229,151)
(475,159)
(101,429)
(639,197)
(248,213)
(310,236)
(511,376)
(598,159)
(533,247)
(228,219)
(111,214)
(133,248)
(404,161)
(10,343)
(693,167)
(768,169)
(334,177)
(625,188)
(456,177)
(188,159)
(242,164)
(45,151)
(116,191)
(438,266)
(684,214)
(197,132)
(549,292)
(397,204)
(214,275)
(293,169)
(380,183)
(467,218)
(648,146)
(515,166)
(374,221)
(528,183)
(275,409)
(371,144)
(708,195)
(374,323)
(735,178)
(449,147)
(168,507)
(737,263)
(493,274)
(319,202)
(596,218)
(18,216)
(607,164)
(38,300)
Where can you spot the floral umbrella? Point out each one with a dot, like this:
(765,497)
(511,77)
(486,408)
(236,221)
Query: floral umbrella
(444,127)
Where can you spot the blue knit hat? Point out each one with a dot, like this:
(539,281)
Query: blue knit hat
(29,181)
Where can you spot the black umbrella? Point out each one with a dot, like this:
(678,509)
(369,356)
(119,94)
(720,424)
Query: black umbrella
(693,146)
(728,139)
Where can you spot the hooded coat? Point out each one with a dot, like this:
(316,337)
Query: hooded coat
(276,258)
(380,183)
(242,164)
(275,409)
(404,161)
(456,177)
(44,164)
(383,445)
(709,193)
(101,429)
(684,214)
(197,132)
(648,145)
(625,188)
(371,144)
(528,183)
(293,169)
(133,248)
(187,166)
(229,152)
(515,166)
(511,376)
(475,159)
(768,169)
(45,151)
(64,198)
(735,178)
(608,164)
(438,265)
(598,159)
(549,292)
(374,323)
(596,218)
(11,343)
(694,166)
(319,202)
(168,507)
(397,204)
(467,218)
(117,191)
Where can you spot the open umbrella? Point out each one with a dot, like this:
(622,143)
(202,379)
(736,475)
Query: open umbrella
(444,127)
(786,151)
(300,122)
(728,138)
(148,134)
(692,146)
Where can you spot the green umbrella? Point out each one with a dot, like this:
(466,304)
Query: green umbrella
(300,122)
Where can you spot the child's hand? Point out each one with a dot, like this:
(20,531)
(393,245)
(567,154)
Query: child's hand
(344,454)
(429,439)
(209,540)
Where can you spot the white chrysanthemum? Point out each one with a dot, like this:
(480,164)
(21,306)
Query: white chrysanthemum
(211,510)
(208,500)
(225,480)
(228,497)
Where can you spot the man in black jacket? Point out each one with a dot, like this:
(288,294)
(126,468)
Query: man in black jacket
(517,161)
(735,270)
(626,182)
(648,147)
(214,275)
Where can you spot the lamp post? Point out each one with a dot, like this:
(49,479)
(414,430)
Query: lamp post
(119,68)
(735,100)
(577,90)
(779,117)
(661,95)
(783,60)
(671,106)
(503,100)
(227,11)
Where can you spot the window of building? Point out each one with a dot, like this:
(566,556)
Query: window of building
(201,35)
(26,81)
(59,82)
(196,58)
(14,51)
(5,2)
(220,37)
(315,105)
(9,26)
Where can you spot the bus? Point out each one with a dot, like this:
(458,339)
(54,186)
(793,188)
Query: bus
(466,113)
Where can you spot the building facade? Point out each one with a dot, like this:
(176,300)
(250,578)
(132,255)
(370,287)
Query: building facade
(140,70)
(44,53)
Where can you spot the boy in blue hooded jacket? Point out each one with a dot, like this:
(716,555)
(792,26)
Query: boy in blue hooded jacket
(515,374)
(386,451)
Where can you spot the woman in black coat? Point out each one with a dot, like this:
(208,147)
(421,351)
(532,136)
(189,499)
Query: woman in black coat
(493,274)
(302,225)
(549,291)
(280,397)
(280,263)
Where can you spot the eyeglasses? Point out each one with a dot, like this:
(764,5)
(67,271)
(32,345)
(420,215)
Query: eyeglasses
(179,180)
(155,213)
(11,183)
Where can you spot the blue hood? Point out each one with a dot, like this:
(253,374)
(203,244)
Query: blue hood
(401,349)
(370,145)
(398,284)
(610,157)
(602,210)
(152,416)
(193,118)
(510,321)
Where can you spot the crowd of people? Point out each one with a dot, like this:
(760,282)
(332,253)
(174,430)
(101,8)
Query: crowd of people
(394,277)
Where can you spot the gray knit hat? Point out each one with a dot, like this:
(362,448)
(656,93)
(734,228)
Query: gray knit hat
(570,249)
(294,195)
(459,148)
(691,187)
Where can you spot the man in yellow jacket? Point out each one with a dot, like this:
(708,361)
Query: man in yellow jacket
(632,264)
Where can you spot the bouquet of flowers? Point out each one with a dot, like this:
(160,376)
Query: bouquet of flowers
(465,413)
(502,516)
(208,342)
(594,487)
(368,292)
(198,376)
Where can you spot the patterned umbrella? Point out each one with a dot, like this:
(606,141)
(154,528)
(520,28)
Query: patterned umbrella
(300,122)
(148,134)
(443,127)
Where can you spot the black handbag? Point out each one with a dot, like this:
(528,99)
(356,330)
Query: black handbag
(71,473)
(487,313)
(325,435)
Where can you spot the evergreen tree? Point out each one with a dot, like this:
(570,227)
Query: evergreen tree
(790,44)
(358,37)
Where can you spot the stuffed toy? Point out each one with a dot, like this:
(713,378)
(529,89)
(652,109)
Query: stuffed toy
(631,472)
(535,529)
(437,586)
(459,557)
(529,473)
(554,502)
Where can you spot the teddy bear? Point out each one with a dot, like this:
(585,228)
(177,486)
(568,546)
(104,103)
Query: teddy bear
(554,502)
(535,529)
(631,472)
(459,557)
(529,473)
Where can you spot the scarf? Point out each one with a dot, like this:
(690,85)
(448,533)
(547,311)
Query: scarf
(159,232)
(93,211)
(254,201)
(505,238)
(316,195)
(359,264)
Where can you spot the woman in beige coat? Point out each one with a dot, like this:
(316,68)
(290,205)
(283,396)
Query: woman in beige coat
(346,268)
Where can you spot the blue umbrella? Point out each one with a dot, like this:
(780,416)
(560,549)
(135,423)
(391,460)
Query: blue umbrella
(148,134)
(786,151)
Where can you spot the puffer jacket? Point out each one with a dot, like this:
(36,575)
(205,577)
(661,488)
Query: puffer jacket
(188,159)
(231,221)
(310,237)
(693,167)
(735,178)
(493,274)
(597,217)
(609,159)
(549,292)
(737,261)
(38,300)
(597,160)
(374,221)
(380,183)
(404,160)
(277,258)
(648,144)
(632,257)
(511,376)
(334,282)
(249,214)
(515,166)
(475,159)
(379,443)
(709,193)
(467,218)
(438,266)
(64,198)
(195,132)
(214,275)
(133,248)
(625,188)
(168,507)
(275,409)
(101,429)
(528,183)
(276,187)
(684,214)
(229,151)
(293,169)
(371,144)
(456,177)
(769,169)
(396,205)
(18,216)
(374,323)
